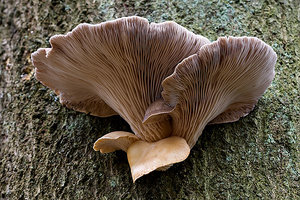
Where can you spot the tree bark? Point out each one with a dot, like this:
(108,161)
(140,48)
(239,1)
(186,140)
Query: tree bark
(46,149)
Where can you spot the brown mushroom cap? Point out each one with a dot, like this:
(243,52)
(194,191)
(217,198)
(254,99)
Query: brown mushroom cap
(221,83)
(118,64)
(145,157)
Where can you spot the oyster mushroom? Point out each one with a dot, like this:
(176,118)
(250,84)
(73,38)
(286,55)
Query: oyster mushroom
(219,84)
(113,141)
(117,67)
(145,157)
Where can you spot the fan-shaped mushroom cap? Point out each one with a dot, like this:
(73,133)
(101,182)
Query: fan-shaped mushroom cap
(73,92)
(118,64)
(117,140)
(221,83)
(145,157)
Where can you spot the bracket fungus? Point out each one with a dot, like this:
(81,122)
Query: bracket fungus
(165,81)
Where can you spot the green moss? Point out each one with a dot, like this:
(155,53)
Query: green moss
(46,149)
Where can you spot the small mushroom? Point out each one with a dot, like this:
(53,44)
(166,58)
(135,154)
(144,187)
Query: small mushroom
(113,141)
(117,67)
(145,157)
(219,84)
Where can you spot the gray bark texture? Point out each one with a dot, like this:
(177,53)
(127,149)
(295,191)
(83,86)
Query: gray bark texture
(46,149)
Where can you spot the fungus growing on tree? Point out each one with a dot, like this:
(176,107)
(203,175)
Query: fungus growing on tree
(165,81)
(116,67)
(219,84)
(113,141)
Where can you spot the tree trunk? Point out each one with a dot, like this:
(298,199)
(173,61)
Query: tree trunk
(46,149)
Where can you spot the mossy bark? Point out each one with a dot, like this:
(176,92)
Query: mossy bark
(46,149)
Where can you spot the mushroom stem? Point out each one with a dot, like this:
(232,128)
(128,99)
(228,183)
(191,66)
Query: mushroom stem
(190,128)
(152,132)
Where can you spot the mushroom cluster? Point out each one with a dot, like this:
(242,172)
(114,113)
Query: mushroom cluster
(165,81)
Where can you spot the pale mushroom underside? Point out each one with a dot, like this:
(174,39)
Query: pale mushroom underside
(116,67)
(165,81)
(221,83)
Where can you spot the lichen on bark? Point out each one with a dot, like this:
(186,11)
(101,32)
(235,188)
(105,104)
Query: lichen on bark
(46,149)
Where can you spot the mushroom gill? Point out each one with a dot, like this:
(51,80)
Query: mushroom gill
(118,64)
(117,67)
(221,83)
(165,81)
